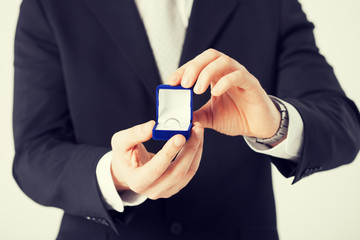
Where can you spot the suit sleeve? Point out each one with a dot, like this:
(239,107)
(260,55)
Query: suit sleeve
(49,165)
(307,81)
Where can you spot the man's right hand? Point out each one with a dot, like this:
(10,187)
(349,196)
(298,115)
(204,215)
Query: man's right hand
(154,175)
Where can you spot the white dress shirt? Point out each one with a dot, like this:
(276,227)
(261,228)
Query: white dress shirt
(288,149)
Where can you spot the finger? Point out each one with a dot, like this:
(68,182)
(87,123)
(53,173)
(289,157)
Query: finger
(196,162)
(196,65)
(204,116)
(135,161)
(175,77)
(143,156)
(191,172)
(184,159)
(238,78)
(194,153)
(153,169)
(178,169)
(213,72)
(126,139)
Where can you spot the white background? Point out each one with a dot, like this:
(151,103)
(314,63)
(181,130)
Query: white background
(323,206)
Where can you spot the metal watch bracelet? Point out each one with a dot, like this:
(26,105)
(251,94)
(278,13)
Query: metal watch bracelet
(283,128)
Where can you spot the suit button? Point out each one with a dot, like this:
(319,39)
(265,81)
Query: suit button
(176,228)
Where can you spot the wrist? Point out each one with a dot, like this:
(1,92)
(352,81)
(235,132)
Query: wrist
(119,183)
(271,118)
(281,130)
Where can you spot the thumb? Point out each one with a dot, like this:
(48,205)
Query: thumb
(204,116)
(128,138)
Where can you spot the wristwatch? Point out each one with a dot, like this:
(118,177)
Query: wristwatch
(281,132)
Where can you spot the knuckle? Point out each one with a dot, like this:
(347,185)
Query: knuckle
(138,188)
(240,74)
(205,74)
(177,74)
(231,78)
(194,66)
(178,189)
(192,172)
(154,196)
(168,154)
(225,80)
(194,149)
(255,80)
(212,52)
(180,174)
(115,139)
(226,60)
(168,195)
(155,172)
(242,68)
(134,131)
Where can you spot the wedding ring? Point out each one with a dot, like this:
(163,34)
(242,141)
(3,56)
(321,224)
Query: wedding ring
(172,123)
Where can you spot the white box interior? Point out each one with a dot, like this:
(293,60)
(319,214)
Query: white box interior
(174,110)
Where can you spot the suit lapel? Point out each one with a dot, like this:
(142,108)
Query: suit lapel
(121,20)
(206,21)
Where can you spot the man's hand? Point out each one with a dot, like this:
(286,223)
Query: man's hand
(154,175)
(238,104)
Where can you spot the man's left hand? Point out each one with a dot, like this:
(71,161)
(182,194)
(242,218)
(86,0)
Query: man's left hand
(238,104)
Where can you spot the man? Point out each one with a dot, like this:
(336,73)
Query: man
(85,77)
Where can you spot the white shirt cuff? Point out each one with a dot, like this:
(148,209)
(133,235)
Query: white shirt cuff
(290,148)
(112,198)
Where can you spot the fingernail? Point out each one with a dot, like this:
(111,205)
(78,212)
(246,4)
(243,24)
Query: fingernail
(179,141)
(197,87)
(185,81)
(198,131)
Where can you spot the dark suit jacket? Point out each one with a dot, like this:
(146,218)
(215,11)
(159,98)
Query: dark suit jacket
(84,70)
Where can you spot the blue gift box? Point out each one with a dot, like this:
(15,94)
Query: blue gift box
(173,112)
